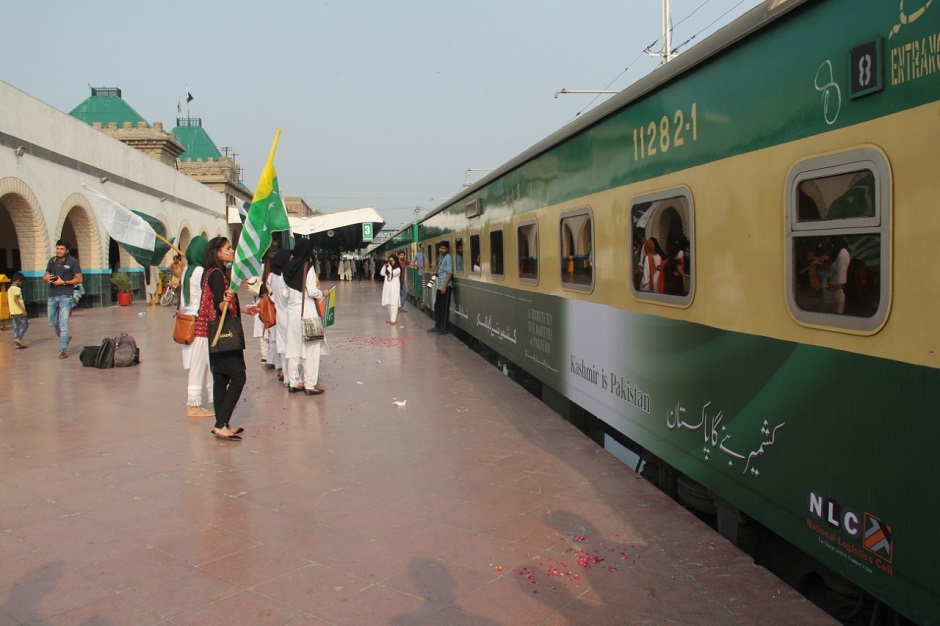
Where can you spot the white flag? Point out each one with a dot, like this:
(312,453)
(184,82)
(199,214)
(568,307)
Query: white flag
(123,226)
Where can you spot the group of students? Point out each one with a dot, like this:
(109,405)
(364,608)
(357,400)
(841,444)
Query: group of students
(656,271)
(292,284)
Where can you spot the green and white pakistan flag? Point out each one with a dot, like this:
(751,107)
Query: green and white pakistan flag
(265,216)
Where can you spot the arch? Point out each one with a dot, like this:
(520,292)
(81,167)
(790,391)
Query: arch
(185,236)
(28,221)
(567,241)
(88,238)
(584,237)
(670,222)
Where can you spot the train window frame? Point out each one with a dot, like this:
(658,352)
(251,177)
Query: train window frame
(475,252)
(497,252)
(878,224)
(661,210)
(458,256)
(568,267)
(529,278)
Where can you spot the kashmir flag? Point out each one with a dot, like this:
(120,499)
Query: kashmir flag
(330,308)
(265,216)
(122,224)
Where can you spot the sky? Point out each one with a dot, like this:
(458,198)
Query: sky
(383,104)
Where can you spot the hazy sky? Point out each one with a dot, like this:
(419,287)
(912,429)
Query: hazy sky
(382,103)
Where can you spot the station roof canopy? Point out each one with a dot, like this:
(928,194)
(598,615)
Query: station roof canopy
(339,231)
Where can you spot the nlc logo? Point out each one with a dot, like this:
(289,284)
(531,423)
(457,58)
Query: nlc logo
(868,530)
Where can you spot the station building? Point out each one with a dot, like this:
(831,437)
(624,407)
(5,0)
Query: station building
(179,177)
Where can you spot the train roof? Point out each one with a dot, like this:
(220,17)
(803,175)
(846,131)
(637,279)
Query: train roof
(754,20)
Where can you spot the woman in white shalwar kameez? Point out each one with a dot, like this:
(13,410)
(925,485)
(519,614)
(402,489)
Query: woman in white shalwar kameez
(303,357)
(196,355)
(391,288)
(277,289)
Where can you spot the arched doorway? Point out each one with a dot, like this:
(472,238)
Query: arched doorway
(24,241)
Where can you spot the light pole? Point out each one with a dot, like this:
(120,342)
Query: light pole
(667,52)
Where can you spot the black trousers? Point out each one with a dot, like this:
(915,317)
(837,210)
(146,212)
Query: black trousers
(441,308)
(226,389)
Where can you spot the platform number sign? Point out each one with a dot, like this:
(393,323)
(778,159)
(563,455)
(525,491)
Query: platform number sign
(367,233)
(865,69)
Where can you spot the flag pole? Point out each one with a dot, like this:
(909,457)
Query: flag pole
(277,137)
(218,332)
(169,243)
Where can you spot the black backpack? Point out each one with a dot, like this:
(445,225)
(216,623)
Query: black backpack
(126,352)
(105,358)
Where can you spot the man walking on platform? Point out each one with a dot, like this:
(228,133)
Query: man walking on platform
(62,274)
(445,273)
(403,263)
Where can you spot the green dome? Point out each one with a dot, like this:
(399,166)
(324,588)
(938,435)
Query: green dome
(106,105)
(192,136)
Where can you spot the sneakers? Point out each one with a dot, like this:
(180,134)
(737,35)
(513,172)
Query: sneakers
(433,330)
(63,355)
(198,411)
(266,366)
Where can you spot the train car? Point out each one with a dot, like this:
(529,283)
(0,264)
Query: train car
(729,265)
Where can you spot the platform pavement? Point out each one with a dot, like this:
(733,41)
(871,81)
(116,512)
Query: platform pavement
(470,504)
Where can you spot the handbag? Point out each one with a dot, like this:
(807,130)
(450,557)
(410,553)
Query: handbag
(184,328)
(311,328)
(184,331)
(231,337)
(267,311)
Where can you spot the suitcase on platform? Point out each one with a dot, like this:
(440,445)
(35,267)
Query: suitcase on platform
(89,355)
(105,358)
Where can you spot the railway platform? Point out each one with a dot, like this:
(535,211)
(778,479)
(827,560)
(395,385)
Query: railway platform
(424,487)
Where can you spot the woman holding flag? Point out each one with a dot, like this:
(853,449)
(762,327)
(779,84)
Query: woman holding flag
(228,368)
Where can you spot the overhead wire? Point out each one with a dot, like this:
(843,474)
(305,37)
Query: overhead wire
(650,47)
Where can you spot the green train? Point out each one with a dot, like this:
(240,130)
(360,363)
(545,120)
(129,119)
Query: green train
(730,266)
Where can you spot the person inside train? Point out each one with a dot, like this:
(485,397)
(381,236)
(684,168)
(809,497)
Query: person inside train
(834,295)
(672,271)
(651,267)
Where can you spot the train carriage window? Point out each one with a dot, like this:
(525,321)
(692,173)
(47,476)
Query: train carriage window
(577,250)
(496,253)
(475,266)
(661,236)
(838,237)
(458,255)
(527,247)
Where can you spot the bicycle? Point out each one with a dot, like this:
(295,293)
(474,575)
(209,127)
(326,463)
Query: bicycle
(171,295)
